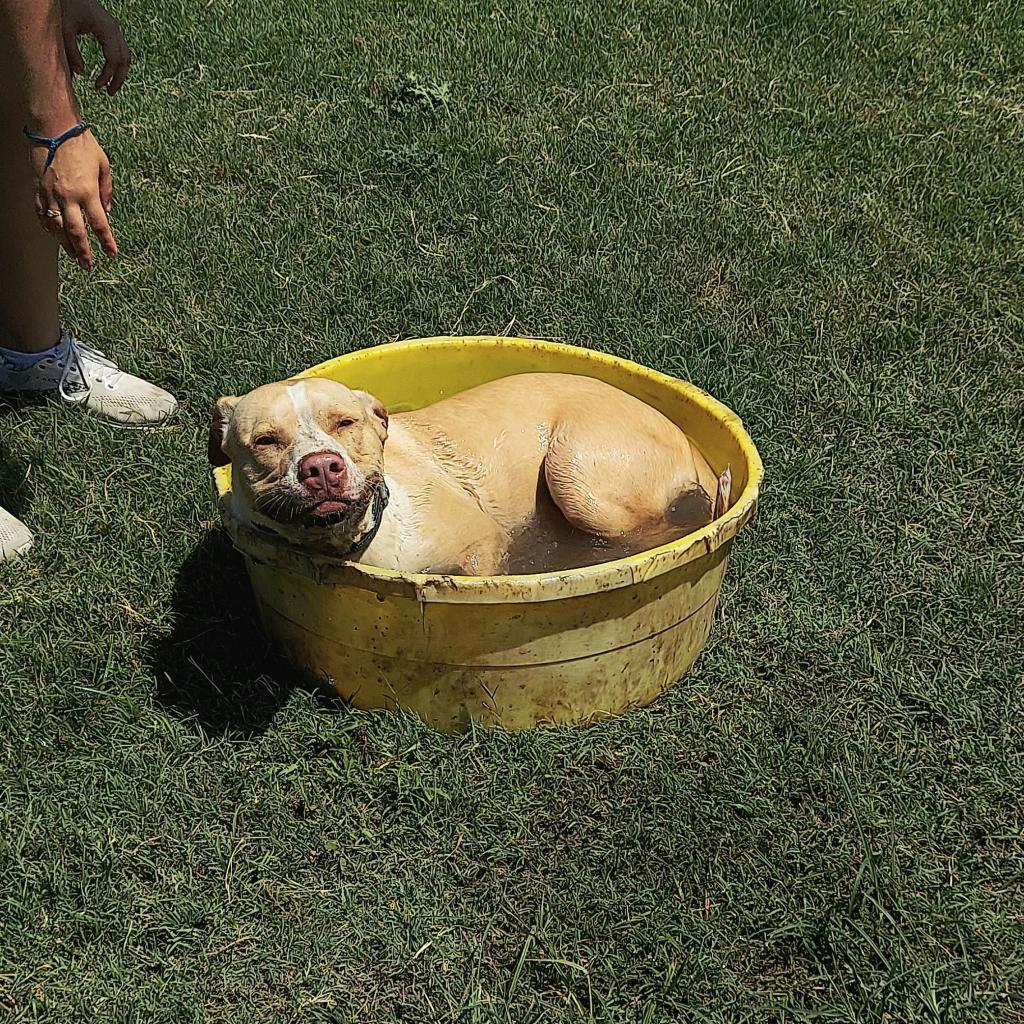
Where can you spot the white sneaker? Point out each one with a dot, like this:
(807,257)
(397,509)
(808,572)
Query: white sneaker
(81,375)
(15,536)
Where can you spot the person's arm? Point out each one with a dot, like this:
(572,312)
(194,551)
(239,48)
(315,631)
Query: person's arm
(90,18)
(36,34)
(77,185)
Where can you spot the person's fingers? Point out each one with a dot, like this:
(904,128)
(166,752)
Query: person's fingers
(52,222)
(116,55)
(109,67)
(50,218)
(101,227)
(121,73)
(75,233)
(41,202)
(54,226)
(75,59)
(106,186)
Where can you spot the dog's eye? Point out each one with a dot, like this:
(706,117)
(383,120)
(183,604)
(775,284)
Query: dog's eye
(265,441)
(339,424)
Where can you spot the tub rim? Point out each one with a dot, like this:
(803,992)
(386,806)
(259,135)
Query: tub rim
(266,548)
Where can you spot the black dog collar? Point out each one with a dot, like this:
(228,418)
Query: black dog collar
(365,539)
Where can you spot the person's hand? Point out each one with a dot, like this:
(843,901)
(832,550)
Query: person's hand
(87,17)
(74,190)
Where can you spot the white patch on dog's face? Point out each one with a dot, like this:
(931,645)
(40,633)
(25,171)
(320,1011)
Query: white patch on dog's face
(310,437)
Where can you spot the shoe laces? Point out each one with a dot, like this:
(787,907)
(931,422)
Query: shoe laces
(73,356)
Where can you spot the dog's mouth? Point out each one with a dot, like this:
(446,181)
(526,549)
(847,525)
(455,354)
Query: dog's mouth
(330,511)
(317,513)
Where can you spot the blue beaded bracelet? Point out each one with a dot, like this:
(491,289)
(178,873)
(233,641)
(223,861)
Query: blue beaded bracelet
(54,143)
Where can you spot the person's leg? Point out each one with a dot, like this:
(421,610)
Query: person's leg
(29,319)
(35,354)
(28,273)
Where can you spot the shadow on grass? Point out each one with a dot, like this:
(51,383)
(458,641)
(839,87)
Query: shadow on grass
(15,493)
(15,489)
(217,668)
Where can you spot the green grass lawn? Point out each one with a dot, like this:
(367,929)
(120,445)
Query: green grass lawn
(812,212)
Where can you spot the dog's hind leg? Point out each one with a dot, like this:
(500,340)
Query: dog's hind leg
(619,485)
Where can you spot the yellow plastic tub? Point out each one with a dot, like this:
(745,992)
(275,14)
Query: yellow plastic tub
(512,651)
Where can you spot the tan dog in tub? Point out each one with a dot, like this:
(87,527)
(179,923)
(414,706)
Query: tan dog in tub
(528,473)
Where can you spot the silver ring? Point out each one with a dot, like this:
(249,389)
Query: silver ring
(53,214)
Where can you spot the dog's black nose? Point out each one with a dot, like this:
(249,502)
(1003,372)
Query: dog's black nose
(322,472)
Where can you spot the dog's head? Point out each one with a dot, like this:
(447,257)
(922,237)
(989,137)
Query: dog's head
(304,454)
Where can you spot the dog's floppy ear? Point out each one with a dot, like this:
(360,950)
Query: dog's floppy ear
(376,406)
(219,420)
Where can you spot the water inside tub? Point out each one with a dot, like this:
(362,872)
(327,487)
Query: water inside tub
(550,544)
